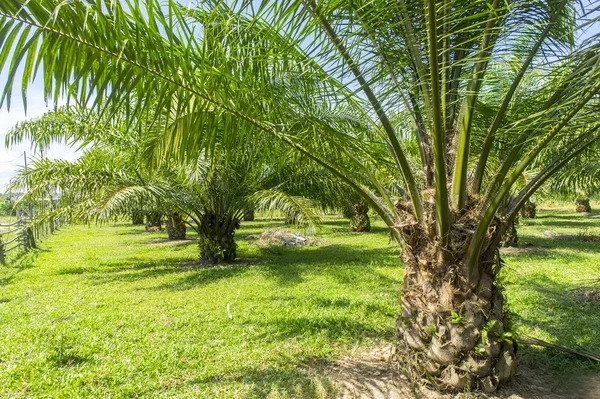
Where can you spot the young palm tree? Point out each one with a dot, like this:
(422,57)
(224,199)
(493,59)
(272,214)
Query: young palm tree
(326,77)
(579,179)
(117,161)
(111,179)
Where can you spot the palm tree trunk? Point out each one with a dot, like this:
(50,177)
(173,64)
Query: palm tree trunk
(583,205)
(175,226)
(290,219)
(249,216)
(511,237)
(529,210)
(217,242)
(153,221)
(451,333)
(348,211)
(360,218)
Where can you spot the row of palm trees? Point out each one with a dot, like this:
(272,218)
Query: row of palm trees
(430,112)
(213,194)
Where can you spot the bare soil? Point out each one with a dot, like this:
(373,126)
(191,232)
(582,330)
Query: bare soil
(372,375)
(523,250)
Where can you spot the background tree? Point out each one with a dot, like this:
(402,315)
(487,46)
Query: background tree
(577,180)
(212,194)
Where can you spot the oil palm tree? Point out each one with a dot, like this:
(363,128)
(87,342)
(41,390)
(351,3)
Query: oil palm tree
(212,194)
(326,77)
(579,180)
(118,160)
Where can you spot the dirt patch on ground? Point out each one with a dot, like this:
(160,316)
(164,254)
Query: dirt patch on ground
(523,249)
(368,375)
(165,242)
(284,238)
(372,375)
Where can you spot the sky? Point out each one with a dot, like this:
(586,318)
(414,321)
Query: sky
(11,159)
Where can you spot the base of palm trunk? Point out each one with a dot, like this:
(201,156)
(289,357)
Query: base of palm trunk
(511,237)
(290,220)
(153,222)
(348,211)
(456,346)
(175,227)
(217,249)
(216,232)
(360,221)
(529,210)
(583,206)
(249,216)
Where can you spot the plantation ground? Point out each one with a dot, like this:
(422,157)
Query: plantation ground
(116,312)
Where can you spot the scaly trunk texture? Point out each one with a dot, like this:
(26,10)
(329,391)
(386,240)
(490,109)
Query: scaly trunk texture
(175,226)
(452,333)
(153,221)
(249,216)
(137,217)
(583,205)
(360,218)
(511,236)
(217,243)
(529,210)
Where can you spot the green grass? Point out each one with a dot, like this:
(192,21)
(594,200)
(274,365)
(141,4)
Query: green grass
(540,281)
(116,312)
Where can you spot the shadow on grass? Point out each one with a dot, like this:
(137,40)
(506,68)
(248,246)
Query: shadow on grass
(18,262)
(332,328)
(535,246)
(339,261)
(134,230)
(276,382)
(566,215)
(67,359)
(165,242)
(288,264)
(203,277)
(356,305)
(549,224)
(132,269)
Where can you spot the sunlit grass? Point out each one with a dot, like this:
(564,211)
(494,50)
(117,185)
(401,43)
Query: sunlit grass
(541,279)
(113,311)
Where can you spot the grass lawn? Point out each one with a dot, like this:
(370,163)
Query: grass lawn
(116,312)
(542,282)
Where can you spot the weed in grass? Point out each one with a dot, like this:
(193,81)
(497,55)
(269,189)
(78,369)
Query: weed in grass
(63,352)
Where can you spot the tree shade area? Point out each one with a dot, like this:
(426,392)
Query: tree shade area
(445,120)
